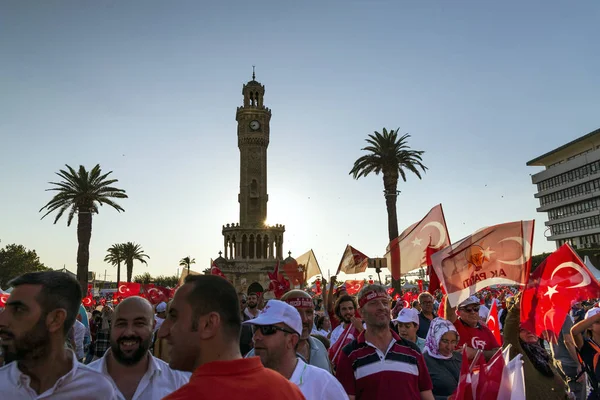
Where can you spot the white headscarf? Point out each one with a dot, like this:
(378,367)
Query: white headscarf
(437,329)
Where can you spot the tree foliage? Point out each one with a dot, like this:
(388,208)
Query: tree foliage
(144,278)
(16,260)
(161,280)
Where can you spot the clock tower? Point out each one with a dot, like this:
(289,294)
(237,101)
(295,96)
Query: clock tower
(253,139)
(251,248)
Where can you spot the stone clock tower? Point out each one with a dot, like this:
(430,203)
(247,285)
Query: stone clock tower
(251,248)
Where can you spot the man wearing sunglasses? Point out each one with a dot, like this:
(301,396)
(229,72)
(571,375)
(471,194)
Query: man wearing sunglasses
(277,331)
(311,350)
(471,331)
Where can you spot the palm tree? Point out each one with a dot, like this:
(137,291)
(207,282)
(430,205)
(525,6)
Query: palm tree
(115,257)
(82,191)
(132,252)
(187,262)
(392,157)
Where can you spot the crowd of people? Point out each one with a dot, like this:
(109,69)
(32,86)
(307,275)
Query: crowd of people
(211,342)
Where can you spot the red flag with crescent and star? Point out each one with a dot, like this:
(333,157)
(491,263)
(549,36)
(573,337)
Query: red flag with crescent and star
(560,279)
(214,270)
(492,322)
(128,289)
(3,299)
(353,287)
(88,301)
(407,251)
(496,255)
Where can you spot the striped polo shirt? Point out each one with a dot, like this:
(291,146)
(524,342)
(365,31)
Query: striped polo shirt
(367,373)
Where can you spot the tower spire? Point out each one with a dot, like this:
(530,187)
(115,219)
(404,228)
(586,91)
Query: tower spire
(253,74)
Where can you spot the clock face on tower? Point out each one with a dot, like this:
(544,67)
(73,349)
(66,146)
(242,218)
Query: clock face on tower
(254,125)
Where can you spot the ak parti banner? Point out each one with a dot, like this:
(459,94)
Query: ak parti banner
(496,255)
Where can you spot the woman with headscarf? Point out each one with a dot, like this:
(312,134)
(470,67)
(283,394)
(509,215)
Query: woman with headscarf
(542,380)
(442,361)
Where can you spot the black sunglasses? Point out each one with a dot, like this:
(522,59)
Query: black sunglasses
(470,310)
(268,330)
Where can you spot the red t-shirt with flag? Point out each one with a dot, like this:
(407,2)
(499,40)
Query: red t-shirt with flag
(481,337)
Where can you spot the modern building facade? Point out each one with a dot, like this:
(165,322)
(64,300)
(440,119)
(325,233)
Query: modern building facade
(569,191)
(250,247)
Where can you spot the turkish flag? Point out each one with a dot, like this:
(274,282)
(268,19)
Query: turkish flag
(559,280)
(3,299)
(496,255)
(309,264)
(87,301)
(155,295)
(128,289)
(434,281)
(353,287)
(464,389)
(492,322)
(353,261)
(348,335)
(318,287)
(274,276)
(293,272)
(214,270)
(490,377)
(407,251)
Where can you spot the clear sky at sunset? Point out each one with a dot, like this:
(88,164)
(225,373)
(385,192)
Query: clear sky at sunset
(149,90)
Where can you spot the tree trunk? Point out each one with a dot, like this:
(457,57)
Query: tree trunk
(84,234)
(118,273)
(390,184)
(129,271)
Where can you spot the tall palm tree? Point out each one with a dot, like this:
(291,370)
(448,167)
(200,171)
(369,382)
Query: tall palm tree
(390,155)
(132,252)
(82,191)
(115,257)
(187,262)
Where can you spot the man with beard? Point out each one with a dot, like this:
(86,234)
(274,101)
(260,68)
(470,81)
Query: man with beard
(251,310)
(310,349)
(39,313)
(134,372)
(378,359)
(345,311)
(203,329)
(277,331)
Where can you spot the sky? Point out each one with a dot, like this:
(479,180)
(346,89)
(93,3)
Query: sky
(149,89)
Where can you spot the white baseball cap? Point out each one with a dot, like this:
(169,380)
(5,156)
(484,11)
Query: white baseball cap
(277,311)
(408,315)
(469,301)
(161,307)
(591,312)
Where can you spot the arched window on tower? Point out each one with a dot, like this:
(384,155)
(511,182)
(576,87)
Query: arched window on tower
(254,189)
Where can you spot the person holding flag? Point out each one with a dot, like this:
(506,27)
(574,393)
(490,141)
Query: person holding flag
(542,380)
(589,348)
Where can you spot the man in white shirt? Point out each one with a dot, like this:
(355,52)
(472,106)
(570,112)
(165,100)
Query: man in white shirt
(134,372)
(39,313)
(345,310)
(277,330)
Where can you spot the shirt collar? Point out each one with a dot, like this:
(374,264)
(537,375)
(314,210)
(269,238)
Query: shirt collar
(361,336)
(153,366)
(21,379)
(468,326)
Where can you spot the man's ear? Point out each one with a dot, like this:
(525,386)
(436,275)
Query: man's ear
(210,325)
(55,320)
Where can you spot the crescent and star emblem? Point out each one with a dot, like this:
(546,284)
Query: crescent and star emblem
(121,289)
(524,244)
(585,278)
(442,231)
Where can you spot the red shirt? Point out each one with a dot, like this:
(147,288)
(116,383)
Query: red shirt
(478,338)
(333,319)
(237,379)
(368,374)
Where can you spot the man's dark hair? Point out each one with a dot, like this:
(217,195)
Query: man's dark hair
(341,300)
(212,293)
(59,290)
